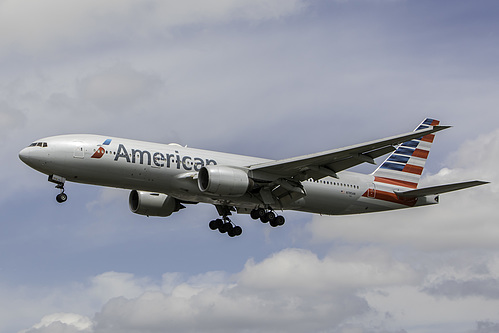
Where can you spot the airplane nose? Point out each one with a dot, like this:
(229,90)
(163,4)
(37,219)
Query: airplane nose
(24,155)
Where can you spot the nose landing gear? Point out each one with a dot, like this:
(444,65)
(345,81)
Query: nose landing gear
(59,181)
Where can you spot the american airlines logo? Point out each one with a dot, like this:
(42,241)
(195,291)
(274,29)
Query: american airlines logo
(101,151)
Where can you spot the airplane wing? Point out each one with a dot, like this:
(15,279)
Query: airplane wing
(328,163)
(438,189)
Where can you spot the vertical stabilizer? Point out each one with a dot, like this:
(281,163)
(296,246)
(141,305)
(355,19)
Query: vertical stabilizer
(405,165)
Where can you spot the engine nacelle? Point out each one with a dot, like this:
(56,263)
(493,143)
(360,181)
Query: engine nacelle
(223,180)
(153,204)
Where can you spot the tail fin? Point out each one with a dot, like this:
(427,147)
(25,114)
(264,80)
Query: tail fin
(405,165)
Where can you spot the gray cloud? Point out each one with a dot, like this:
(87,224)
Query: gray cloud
(255,301)
(10,118)
(486,326)
(118,87)
(62,323)
(292,288)
(482,287)
(36,27)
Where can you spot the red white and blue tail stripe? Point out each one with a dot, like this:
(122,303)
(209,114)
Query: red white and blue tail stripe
(405,165)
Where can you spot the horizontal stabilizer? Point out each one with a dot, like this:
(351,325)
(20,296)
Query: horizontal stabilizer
(438,189)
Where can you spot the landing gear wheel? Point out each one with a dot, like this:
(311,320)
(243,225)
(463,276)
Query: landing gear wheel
(237,230)
(61,197)
(279,220)
(226,227)
(231,232)
(270,216)
(215,224)
(255,214)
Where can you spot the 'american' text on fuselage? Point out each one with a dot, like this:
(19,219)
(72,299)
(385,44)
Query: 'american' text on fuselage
(162,160)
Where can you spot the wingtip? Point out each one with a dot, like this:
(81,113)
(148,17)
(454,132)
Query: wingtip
(434,128)
(438,128)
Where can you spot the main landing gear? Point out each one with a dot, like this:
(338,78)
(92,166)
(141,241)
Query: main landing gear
(59,181)
(267,216)
(225,225)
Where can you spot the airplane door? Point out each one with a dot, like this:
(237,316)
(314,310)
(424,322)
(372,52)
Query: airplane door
(79,151)
(371,192)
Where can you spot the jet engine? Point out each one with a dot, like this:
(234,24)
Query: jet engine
(153,204)
(224,181)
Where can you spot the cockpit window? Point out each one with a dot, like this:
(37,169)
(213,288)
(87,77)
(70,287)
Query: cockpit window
(38,144)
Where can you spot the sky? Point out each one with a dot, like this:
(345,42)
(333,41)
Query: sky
(271,79)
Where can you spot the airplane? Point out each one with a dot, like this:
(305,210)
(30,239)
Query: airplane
(164,178)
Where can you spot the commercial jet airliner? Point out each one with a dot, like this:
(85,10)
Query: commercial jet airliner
(164,178)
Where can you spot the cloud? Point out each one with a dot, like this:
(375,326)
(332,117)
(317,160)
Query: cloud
(28,25)
(472,280)
(287,270)
(119,86)
(113,284)
(10,118)
(62,323)
(364,290)
(262,297)
(488,288)
(475,158)
(486,326)
(293,288)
